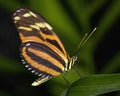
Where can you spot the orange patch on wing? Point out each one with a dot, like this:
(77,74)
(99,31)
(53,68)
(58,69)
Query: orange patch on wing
(30,38)
(47,57)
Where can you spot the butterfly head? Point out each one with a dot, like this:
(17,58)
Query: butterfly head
(71,63)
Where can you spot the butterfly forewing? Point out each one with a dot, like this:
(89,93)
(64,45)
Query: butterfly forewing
(41,48)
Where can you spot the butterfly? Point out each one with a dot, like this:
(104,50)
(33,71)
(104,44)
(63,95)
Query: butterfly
(42,51)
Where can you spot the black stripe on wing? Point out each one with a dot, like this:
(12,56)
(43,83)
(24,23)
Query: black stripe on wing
(33,23)
(44,60)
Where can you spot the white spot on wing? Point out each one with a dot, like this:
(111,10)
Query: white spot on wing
(36,73)
(29,68)
(28,44)
(23,62)
(48,26)
(33,14)
(43,76)
(42,25)
(35,27)
(16,18)
(33,71)
(18,10)
(26,15)
(40,74)
(26,66)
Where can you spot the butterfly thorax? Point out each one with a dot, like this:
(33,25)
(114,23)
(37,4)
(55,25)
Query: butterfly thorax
(71,63)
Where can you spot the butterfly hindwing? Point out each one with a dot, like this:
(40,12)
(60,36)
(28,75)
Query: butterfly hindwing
(41,48)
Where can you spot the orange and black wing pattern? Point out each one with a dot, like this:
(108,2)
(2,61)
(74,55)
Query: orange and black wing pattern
(42,51)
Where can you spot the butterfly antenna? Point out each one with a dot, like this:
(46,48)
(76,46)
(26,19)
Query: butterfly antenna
(85,39)
(81,42)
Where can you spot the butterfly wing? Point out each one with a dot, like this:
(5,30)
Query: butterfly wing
(42,50)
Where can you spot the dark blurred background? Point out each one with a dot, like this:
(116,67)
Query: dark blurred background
(71,20)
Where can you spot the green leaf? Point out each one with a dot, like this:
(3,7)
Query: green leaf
(94,85)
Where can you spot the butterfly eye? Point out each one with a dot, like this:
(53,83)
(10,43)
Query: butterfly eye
(73,59)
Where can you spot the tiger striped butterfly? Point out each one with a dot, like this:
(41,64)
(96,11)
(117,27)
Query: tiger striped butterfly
(41,50)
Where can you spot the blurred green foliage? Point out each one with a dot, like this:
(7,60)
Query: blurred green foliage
(71,20)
